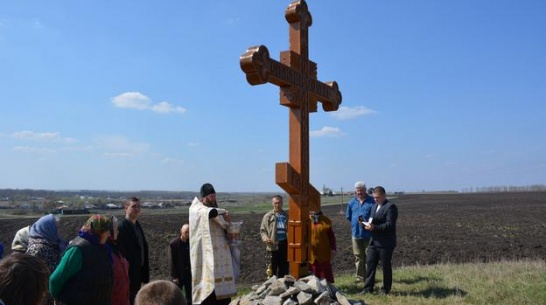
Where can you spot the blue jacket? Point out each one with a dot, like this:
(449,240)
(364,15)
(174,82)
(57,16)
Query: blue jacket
(354,210)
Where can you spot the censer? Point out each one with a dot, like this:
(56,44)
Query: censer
(269,270)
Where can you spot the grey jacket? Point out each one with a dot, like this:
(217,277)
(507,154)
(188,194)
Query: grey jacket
(268,229)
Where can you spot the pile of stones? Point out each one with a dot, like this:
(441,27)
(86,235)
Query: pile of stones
(289,291)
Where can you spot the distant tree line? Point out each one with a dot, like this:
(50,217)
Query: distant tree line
(26,194)
(504,188)
(50,198)
(76,199)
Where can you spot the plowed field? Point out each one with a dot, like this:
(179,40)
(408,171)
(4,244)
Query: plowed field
(432,228)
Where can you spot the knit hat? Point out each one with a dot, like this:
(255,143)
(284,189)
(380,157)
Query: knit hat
(207,189)
(97,224)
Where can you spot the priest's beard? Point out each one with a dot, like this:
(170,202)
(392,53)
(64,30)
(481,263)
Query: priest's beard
(210,203)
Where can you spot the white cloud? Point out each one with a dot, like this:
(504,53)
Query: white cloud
(41,136)
(77,148)
(116,155)
(165,107)
(193,144)
(133,100)
(34,150)
(171,161)
(326,132)
(139,101)
(348,113)
(120,146)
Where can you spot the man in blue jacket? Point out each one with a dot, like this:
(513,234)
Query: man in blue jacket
(358,210)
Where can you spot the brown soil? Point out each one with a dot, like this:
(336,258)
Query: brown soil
(432,228)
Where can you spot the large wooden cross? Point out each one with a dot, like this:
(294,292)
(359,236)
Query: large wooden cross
(300,91)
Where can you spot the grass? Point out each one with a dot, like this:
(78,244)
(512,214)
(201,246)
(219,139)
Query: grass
(496,283)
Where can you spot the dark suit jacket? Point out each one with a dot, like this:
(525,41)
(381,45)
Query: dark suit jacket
(384,220)
(179,260)
(130,248)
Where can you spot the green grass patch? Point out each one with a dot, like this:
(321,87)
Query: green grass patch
(497,283)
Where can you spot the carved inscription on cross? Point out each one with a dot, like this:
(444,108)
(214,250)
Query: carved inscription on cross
(300,91)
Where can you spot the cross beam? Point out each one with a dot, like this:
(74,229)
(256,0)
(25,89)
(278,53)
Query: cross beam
(300,91)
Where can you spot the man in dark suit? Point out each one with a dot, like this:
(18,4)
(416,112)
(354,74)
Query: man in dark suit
(383,241)
(179,261)
(132,244)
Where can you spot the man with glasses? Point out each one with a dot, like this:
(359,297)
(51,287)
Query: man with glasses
(132,244)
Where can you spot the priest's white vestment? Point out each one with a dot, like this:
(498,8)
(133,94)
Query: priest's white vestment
(211,262)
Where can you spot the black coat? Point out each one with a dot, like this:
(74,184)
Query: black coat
(179,260)
(139,271)
(384,221)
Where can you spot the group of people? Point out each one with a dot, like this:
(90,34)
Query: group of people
(373,228)
(107,262)
(273,232)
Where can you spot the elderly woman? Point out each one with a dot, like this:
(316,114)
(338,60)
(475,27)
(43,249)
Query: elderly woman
(44,240)
(85,273)
(23,279)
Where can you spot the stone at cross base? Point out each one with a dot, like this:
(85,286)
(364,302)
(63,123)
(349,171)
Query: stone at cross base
(300,91)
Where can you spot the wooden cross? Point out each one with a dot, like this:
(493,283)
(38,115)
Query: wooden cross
(300,91)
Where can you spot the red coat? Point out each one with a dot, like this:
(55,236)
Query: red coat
(120,291)
(323,240)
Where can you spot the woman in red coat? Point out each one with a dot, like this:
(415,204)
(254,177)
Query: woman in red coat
(120,292)
(323,246)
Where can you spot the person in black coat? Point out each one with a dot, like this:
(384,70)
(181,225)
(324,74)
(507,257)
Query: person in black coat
(132,244)
(179,261)
(383,241)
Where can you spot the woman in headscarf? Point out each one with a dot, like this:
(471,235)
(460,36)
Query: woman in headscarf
(44,240)
(85,274)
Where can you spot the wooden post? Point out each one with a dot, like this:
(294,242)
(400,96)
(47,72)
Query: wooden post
(300,91)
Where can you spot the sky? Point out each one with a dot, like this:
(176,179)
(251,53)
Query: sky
(149,95)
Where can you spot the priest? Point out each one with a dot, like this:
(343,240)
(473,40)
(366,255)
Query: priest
(213,279)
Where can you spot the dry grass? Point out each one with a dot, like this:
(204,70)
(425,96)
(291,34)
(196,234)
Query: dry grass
(498,283)
(521,282)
